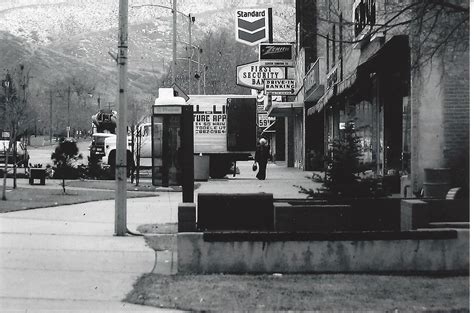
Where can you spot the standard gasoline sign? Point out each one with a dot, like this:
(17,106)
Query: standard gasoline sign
(253,74)
(251,26)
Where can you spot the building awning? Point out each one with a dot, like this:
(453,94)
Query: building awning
(279,109)
(394,55)
(338,89)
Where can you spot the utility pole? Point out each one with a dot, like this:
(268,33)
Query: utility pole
(68,129)
(199,70)
(121,152)
(50,116)
(204,79)
(6,85)
(173,65)
(189,54)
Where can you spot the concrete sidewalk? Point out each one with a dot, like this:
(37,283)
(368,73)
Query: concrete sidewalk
(67,259)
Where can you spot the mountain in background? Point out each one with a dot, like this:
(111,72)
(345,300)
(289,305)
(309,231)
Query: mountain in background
(59,39)
(87,29)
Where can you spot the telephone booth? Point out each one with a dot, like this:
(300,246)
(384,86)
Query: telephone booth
(172,143)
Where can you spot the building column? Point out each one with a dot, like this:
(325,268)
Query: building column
(290,140)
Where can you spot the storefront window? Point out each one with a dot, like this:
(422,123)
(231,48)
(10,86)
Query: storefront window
(406,151)
(361,114)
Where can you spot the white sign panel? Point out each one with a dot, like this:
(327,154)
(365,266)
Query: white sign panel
(252,74)
(280,86)
(210,128)
(251,26)
(265,121)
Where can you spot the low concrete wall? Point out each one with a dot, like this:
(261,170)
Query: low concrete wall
(195,255)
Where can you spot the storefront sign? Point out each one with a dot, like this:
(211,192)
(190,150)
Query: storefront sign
(312,78)
(265,121)
(276,54)
(331,78)
(159,109)
(300,67)
(213,122)
(253,74)
(280,86)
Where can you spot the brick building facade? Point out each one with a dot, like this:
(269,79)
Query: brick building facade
(410,114)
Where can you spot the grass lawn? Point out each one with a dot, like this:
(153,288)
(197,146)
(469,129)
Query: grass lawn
(326,292)
(24,198)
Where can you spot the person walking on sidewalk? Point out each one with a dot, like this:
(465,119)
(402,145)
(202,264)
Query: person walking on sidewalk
(262,154)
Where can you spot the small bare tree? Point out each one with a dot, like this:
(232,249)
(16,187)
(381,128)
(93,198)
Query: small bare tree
(16,116)
(140,111)
(438,27)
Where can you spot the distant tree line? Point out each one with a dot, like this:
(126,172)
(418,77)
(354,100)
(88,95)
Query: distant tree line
(220,54)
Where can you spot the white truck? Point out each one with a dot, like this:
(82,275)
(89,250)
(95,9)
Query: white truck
(225,130)
(22,156)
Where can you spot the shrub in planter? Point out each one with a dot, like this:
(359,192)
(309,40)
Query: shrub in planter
(343,173)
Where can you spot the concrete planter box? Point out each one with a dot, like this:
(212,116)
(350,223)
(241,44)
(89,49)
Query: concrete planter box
(341,215)
(161,242)
(418,251)
(348,235)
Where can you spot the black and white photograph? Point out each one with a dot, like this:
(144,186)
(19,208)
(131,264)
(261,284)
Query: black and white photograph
(235,156)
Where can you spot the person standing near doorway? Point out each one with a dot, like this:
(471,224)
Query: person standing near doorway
(262,154)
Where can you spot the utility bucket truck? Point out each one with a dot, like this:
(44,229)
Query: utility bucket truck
(104,141)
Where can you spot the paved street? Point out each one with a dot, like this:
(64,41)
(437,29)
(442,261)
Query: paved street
(66,258)
(42,154)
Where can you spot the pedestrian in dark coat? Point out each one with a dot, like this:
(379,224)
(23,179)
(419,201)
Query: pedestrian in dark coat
(262,154)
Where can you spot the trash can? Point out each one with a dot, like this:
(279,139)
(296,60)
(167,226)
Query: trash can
(201,167)
(37,173)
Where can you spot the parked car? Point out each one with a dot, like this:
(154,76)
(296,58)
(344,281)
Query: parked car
(22,156)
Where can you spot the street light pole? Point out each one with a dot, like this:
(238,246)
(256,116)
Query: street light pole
(190,20)
(121,151)
(173,65)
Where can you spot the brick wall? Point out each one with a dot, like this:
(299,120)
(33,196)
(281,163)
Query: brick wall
(456,120)
(456,110)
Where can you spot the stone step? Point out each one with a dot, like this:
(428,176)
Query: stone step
(449,225)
